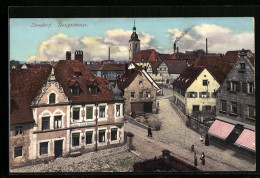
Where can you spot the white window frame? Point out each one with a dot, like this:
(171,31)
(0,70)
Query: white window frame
(106,140)
(18,157)
(93,114)
(80,114)
(131,94)
(106,115)
(121,110)
(93,141)
(203,96)
(231,107)
(56,97)
(80,135)
(248,87)
(39,148)
(117,135)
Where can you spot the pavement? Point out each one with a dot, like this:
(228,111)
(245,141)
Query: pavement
(176,137)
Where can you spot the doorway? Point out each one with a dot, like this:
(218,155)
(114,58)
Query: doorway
(58,148)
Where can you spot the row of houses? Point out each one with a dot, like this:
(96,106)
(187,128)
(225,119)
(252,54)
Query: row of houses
(61,111)
(222,88)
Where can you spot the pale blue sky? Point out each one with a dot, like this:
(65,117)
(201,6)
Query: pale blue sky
(25,41)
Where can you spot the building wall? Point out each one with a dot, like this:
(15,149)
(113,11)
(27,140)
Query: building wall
(112,75)
(197,86)
(23,140)
(133,47)
(242,99)
(135,87)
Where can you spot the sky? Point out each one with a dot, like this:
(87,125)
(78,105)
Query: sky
(48,39)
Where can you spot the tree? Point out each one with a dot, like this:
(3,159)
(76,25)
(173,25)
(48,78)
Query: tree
(14,62)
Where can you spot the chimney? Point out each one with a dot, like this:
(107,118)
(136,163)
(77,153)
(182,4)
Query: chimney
(109,55)
(68,55)
(79,55)
(177,49)
(174,47)
(206,46)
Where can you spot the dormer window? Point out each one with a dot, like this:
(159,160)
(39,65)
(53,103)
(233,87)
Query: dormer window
(142,59)
(104,75)
(242,67)
(93,89)
(75,89)
(78,74)
(52,98)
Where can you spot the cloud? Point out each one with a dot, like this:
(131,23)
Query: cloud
(220,39)
(93,47)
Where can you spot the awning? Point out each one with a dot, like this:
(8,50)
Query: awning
(221,129)
(246,140)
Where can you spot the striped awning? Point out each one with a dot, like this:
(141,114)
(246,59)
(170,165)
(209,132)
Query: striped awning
(220,129)
(246,140)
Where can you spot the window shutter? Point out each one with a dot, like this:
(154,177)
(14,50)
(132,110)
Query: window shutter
(238,86)
(195,94)
(203,108)
(207,94)
(200,94)
(244,87)
(228,85)
(89,112)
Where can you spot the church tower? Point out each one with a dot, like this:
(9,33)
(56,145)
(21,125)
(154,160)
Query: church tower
(134,44)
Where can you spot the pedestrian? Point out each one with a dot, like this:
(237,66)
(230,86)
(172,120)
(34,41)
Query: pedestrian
(202,158)
(207,140)
(195,159)
(192,147)
(150,132)
(201,138)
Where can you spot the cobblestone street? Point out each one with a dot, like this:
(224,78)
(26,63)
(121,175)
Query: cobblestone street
(110,160)
(176,137)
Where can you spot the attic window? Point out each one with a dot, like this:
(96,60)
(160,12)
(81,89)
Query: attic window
(242,66)
(75,89)
(78,74)
(93,89)
(52,98)
(156,59)
(142,59)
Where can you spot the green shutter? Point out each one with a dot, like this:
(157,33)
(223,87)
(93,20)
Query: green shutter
(244,87)
(75,135)
(89,112)
(228,85)
(89,133)
(102,131)
(252,112)
(114,130)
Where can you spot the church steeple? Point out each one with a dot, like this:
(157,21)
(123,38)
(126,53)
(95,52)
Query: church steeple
(134,43)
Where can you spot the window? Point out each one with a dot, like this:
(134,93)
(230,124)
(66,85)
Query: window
(203,94)
(89,137)
(57,122)
(235,86)
(142,59)
(140,74)
(45,123)
(102,111)
(156,59)
(148,94)
(193,94)
(242,66)
(114,134)
(18,151)
(75,90)
(234,108)
(104,75)
(208,108)
(132,94)
(223,106)
(118,76)
(251,87)
(141,94)
(195,108)
(89,113)
(18,130)
(205,82)
(140,83)
(228,85)
(76,113)
(93,89)
(117,110)
(52,98)
(101,135)
(75,139)
(43,148)
(251,113)
(78,74)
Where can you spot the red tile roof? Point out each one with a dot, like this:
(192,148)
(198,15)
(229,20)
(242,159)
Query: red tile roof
(176,66)
(148,55)
(106,66)
(187,77)
(64,73)
(218,66)
(25,86)
(128,77)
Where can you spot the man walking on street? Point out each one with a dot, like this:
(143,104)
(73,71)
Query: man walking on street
(195,159)
(150,132)
(202,158)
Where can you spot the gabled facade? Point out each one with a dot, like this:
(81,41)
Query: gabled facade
(194,90)
(139,91)
(236,105)
(69,111)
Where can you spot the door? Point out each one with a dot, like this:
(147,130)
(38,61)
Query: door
(137,107)
(58,148)
(148,107)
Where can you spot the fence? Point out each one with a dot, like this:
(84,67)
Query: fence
(197,125)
